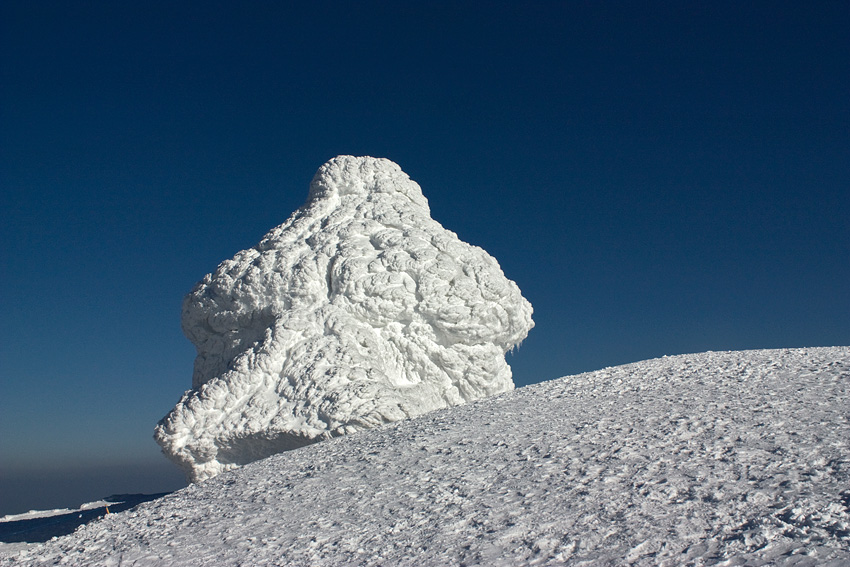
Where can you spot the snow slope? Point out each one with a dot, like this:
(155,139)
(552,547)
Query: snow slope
(358,311)
(732,458)
(41,525)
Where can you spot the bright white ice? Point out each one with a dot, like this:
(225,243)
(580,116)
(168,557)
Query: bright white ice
(359,310)
(735,458)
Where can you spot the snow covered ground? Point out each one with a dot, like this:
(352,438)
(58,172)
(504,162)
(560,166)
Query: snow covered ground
(17,530)
(732,458)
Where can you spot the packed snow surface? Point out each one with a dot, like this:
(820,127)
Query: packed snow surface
(358,311)
(16,530)
(733,458)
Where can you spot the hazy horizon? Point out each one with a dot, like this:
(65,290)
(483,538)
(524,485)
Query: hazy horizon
(44,488)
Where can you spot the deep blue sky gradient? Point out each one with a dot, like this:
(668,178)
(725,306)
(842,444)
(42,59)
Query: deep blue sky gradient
(658,178)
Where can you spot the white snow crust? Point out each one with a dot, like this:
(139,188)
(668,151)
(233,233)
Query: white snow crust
(34,514)
(358,311)
(732,458)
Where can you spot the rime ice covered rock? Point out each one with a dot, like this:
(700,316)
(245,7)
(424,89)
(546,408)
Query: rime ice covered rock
(357,311)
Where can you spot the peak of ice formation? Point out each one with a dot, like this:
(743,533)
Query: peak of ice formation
(358,311)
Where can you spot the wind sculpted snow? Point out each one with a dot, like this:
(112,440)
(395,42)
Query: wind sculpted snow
(733,458)
(358,311)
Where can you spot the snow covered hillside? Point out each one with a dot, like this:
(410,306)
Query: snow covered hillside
(726,458)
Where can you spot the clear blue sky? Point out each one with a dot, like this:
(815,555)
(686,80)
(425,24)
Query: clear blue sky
(658,178)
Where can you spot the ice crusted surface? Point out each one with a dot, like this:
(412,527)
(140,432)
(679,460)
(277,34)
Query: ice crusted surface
(357,311)
(732,458)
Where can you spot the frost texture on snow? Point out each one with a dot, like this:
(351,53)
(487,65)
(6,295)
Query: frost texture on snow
(358,311)
(732,458)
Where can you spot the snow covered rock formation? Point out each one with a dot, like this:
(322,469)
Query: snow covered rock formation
(359,310)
